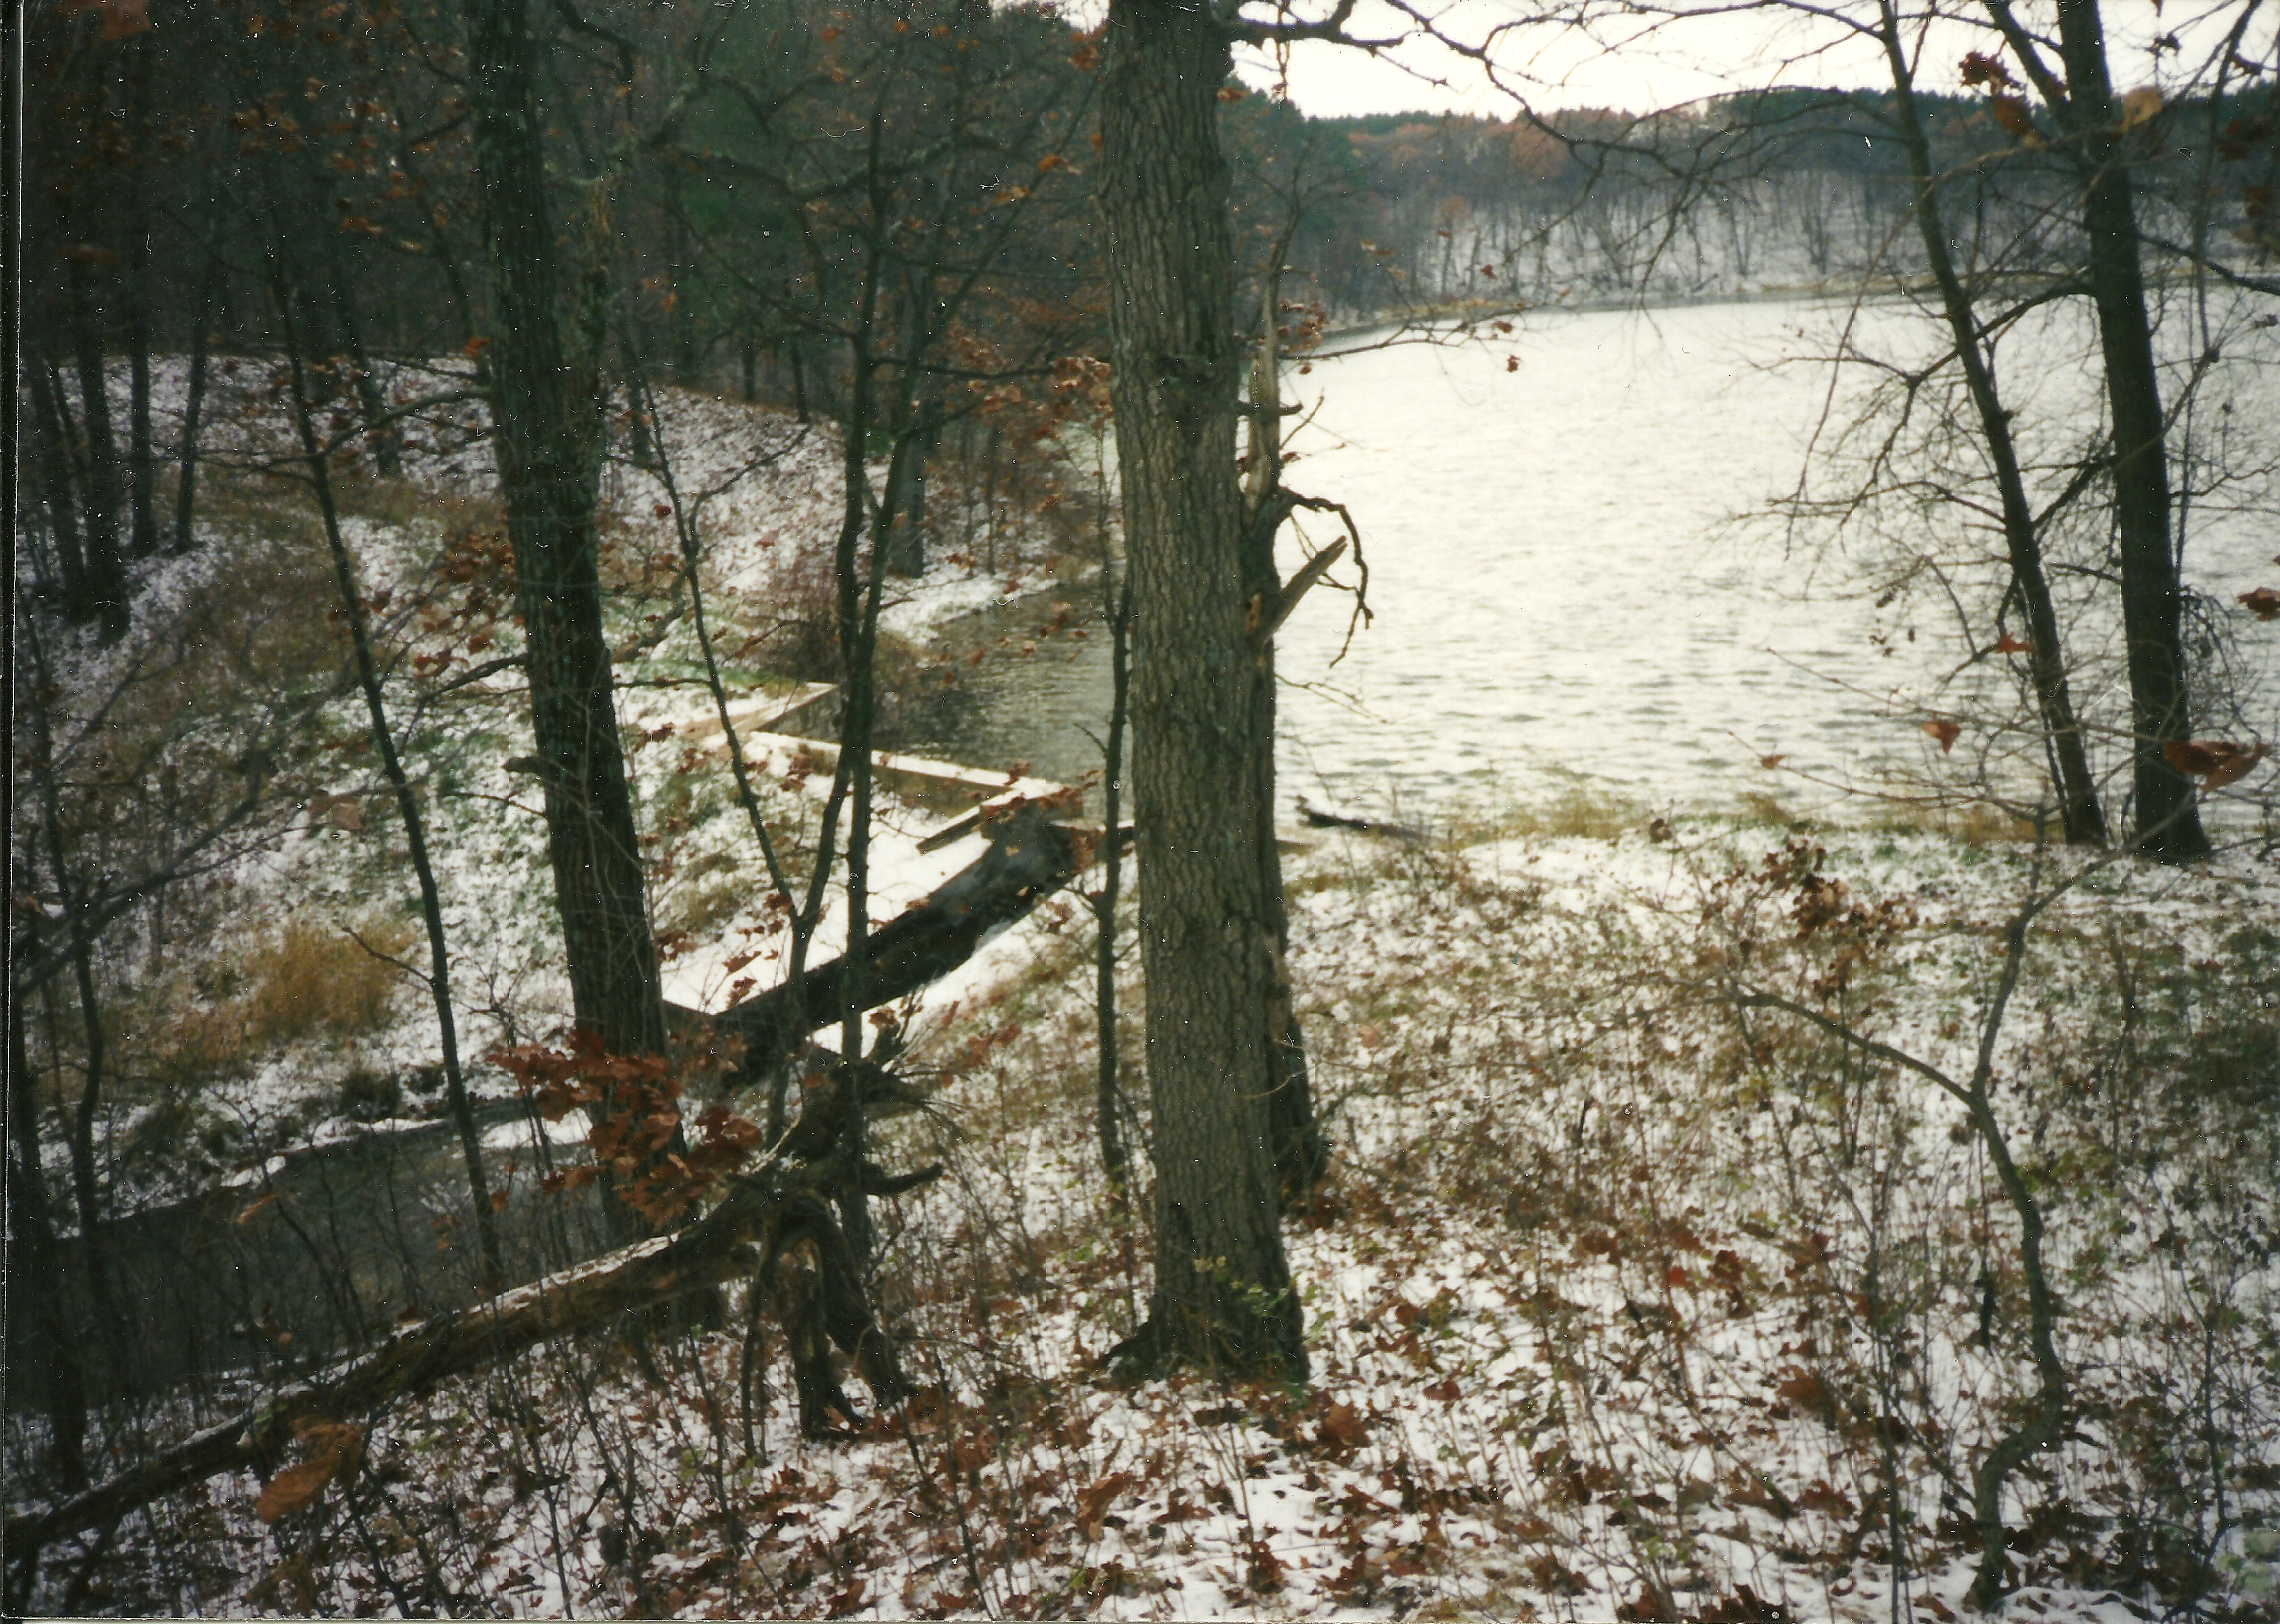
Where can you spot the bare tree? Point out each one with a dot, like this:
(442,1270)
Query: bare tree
(1202,689)
(546,324)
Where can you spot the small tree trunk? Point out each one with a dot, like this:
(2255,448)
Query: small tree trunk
(134,287)
(798,381)
(371,400)
(1108,1102)
(407,807)
(681,279)
(1301,1156)
(2079,811)
(906,544)
(186,483)
(106,573)
(2168,823)
(859,599)
(38,1271)
(86,1187)
(53,441)
(989,494)
(141,460)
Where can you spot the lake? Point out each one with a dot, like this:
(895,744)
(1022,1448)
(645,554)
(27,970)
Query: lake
(1568,589)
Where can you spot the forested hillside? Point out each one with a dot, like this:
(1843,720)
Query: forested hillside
(530,1096)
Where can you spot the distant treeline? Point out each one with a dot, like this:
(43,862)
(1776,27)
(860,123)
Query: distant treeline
(1791,186)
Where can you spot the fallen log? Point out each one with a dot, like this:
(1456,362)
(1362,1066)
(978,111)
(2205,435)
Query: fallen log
(760,1217)
(750,1229)
(1028,859)
(1317,819)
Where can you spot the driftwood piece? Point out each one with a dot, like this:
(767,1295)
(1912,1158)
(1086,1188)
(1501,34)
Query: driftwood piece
(1317,819)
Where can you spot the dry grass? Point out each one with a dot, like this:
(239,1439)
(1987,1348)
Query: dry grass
(1616,1306)
(1972,823)
(1559,804)
(316,980)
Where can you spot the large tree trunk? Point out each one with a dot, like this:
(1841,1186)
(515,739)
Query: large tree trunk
(2167,816)
(2079,811)
(547,404)
(1222,1297)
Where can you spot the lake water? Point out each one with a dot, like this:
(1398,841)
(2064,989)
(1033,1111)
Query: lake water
(1567,586)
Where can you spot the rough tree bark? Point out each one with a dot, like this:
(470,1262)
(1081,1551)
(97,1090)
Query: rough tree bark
(1223,1298)
(547,404)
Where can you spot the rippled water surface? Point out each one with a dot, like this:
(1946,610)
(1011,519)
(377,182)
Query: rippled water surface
(1564,579)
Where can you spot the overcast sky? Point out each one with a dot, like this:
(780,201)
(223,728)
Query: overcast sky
(1704,56)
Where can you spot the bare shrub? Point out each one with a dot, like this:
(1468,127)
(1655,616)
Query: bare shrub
(800,637)
(367,1095)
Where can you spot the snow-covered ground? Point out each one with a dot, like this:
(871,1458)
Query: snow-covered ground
(1616,1308)
(1625,1299)
(761,496)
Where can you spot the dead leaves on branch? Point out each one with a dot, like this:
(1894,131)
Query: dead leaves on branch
(2010,113)
(639,1131)
(2215,762)
(334,1449)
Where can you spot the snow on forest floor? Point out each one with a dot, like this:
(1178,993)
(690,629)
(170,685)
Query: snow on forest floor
(1615,1307)
(1623,1300)
(760,495)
